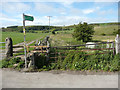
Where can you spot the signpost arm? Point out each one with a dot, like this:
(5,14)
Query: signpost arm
(24,41)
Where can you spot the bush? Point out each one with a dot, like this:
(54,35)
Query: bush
(83,32)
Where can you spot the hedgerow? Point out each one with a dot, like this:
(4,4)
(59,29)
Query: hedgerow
(73,61)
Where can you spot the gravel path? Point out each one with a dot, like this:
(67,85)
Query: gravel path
(14,79)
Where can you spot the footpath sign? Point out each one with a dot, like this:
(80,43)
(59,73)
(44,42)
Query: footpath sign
(26,18)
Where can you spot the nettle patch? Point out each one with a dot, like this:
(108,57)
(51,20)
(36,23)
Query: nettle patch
(81,61)
(73,61)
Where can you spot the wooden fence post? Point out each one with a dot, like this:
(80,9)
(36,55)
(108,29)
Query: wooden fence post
(117,42)
(9,47)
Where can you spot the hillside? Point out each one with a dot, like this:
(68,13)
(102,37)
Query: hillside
(100,28)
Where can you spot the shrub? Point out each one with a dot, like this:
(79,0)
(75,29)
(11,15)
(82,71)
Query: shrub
(83,32)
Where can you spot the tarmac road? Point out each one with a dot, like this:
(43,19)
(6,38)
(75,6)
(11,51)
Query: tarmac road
(14,79)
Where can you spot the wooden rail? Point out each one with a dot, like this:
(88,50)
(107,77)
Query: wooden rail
(18,46)
(18,51)
(2,42)
(58,53)
(37,49)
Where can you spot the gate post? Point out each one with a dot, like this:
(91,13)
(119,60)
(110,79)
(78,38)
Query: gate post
(9,47)
(48,50)
(117,42)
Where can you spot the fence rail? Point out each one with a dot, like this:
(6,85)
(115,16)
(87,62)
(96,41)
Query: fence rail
(2,43)
(40,49)
(18,46)
(79,48)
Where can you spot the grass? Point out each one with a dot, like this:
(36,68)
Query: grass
(104,38)
(19,37)
(108,29)
(63,39)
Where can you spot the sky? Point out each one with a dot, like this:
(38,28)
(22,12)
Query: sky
(63,12)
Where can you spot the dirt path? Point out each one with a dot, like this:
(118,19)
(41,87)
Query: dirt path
(13,79)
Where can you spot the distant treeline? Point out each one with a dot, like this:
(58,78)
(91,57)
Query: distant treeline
(99,24)
(33,29)
(29,28)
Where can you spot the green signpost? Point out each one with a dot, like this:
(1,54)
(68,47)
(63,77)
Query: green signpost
(26,18)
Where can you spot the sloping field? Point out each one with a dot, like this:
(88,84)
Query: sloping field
(19,37)
(108,29)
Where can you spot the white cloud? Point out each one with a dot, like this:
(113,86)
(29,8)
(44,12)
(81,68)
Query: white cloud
(91,10)
(87,11)
(15,7)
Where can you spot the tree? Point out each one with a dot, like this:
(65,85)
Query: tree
(83,32)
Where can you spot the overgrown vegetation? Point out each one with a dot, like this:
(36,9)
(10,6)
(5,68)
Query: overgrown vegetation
(73,61)
(82,62)
(15,63)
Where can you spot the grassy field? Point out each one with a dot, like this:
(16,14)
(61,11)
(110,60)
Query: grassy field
(63,37)
(108,30)
(19,37)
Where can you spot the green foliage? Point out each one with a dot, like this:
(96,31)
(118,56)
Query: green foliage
(80,61)
(67,63)
(83,32)
(9,63)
